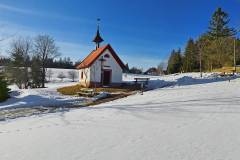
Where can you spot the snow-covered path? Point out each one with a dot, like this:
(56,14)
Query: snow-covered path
(191,122)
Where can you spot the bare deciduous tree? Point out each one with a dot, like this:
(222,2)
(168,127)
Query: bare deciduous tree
(72,75)
(160,68)
(46,49)
(49,74)
(61,76)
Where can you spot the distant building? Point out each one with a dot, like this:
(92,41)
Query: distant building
(152,71)
(102,67)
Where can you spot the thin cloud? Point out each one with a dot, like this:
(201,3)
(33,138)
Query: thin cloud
(16,10)
(72,49)
(44,14)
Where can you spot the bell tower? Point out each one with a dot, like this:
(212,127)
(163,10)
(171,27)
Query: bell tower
(98,39)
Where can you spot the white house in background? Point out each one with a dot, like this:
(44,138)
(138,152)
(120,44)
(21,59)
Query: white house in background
(102,67)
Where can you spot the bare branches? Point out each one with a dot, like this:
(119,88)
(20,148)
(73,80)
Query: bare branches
(45,48)
(49,74)
(21,47)
(61,76)
(72,75)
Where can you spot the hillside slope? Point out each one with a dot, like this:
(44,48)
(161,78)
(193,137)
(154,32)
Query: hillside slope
(192,122)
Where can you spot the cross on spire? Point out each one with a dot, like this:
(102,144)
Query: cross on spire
(98,39)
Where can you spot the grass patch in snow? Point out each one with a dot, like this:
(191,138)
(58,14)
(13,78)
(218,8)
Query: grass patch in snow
(227,69)
(72,90)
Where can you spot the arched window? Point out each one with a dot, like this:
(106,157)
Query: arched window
(106,56)
(82,75)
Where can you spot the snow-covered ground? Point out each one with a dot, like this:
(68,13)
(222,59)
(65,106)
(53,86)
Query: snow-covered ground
(50,97)
(56,71)
(187,122)
(40,97)
(44,96)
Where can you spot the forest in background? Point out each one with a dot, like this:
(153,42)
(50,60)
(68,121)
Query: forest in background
(214,48)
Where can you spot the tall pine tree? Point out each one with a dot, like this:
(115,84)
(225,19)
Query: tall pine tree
(175,62)
(218,26)
(190,61)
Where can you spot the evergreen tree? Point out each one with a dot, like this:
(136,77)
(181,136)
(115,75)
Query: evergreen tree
(136,70)
(190,61)
(20,61)
(4,61)
(175,62)
(126,70)
(170,67)
(215,47)
(36,72)
(219,25)
(179,61)
(76,64)
(3,89)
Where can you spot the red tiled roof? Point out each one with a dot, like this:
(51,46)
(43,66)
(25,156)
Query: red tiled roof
(90,59)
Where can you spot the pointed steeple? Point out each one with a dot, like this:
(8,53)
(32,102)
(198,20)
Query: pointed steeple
(98,39)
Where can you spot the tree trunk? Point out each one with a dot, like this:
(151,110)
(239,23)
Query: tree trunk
(43,77)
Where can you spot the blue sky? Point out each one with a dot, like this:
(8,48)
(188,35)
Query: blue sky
(143,33)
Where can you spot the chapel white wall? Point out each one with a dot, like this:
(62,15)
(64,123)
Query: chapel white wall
(111,64)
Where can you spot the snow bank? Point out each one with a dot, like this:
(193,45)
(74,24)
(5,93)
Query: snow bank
(153,84)
(177,79)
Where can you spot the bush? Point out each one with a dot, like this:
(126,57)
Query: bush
(61,76)
(3,90)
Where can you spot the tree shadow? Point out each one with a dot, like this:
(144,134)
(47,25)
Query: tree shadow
(38,101)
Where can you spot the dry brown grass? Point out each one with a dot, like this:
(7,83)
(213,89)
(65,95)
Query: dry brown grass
(226,69)
(72,90)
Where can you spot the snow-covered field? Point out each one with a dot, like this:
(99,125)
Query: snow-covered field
(43,96)
(56,71)
(49,96)
(188,122)
(39,97)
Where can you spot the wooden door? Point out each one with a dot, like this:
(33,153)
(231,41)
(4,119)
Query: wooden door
(107,77)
